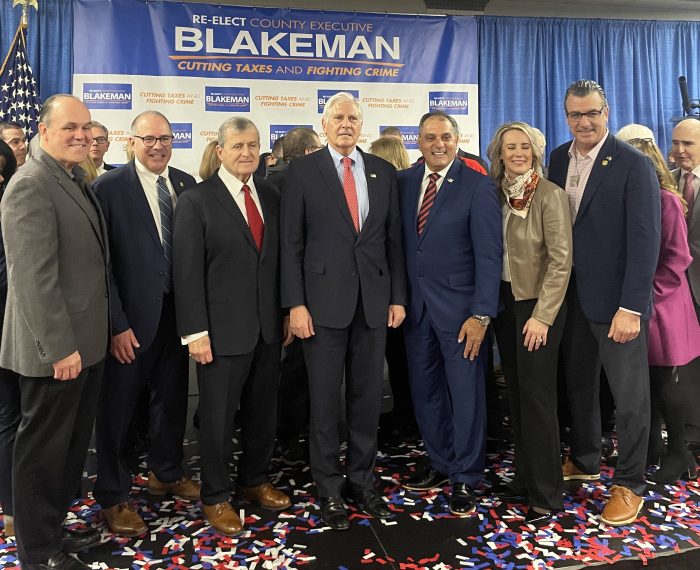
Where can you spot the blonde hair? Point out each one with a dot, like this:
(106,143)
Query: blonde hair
(666,179)
(210,161)
(497,170)
(392,150)
(88,165)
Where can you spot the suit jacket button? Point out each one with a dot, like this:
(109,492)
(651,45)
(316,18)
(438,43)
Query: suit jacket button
(420,277)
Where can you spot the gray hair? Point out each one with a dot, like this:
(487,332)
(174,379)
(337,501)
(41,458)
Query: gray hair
(439,115)
(97,125)
(237,125)
(497,170)
(135,122)
(583,88)
(48,106)
(338,98)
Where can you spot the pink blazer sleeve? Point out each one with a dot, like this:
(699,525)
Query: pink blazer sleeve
(674,256)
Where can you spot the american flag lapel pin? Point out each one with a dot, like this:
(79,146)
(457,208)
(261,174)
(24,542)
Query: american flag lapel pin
(372,175)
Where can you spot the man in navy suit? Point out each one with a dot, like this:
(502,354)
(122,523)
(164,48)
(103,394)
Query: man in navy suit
(146,354)
(343,278)
(453,242)
(615,207)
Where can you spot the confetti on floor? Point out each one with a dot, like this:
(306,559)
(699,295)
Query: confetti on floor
(423,534)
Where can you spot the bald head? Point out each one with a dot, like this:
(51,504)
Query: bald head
(686,144)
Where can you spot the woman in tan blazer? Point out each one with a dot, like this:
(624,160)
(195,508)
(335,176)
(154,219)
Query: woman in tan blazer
(536,269)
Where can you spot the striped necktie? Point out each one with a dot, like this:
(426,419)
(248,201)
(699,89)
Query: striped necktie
(165,204)
(428,200)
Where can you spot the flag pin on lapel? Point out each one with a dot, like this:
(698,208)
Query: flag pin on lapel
(450,180)
(372,175)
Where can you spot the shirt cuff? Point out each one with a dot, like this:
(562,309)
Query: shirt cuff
(187,339)
(630,311)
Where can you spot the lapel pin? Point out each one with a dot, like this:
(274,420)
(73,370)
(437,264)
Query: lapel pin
(607,160)
(372,175)
(182,184)
(450,180)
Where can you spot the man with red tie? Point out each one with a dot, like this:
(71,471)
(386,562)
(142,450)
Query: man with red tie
(226,277)
(344,282)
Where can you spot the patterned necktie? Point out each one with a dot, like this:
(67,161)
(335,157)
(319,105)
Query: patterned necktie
(255,222)
(350,192)
(428,199)
(689,192)
(165,204)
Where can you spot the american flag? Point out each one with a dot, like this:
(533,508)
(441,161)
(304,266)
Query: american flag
(19,95)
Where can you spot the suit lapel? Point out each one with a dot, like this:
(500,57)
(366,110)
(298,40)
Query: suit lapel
(177,182)
(223,196)
(137,195)
(74,190)
(331,181)
(607,154)
(270,220)
(451,180)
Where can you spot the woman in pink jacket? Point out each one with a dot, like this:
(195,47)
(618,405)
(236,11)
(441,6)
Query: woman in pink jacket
(674,332)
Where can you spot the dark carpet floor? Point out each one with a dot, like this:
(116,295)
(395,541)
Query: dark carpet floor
(423,535)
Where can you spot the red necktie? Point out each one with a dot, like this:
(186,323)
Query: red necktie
(350,191)
(689,191)
(428,199)
(255,222)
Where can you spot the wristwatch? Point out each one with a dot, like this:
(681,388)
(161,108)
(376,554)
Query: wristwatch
(484,320)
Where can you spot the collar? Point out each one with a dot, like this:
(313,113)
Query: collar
(233,184)
(593,153)
(427,172)
(149,176)
(337,157)
(695,171)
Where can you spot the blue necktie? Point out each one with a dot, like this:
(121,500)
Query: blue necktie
(166,217)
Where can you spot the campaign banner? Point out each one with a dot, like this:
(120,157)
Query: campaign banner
(199,64)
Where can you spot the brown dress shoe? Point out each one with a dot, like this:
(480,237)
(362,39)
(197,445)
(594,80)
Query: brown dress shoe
(122,519)
(223,518)
(9,522)
(265,495)
(622,508)
(572,473)
(184,487)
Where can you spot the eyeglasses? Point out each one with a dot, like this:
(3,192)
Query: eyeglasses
(100,140)
(165,140)
(590,115)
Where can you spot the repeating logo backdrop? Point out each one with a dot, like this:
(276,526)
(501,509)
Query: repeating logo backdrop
(199,64)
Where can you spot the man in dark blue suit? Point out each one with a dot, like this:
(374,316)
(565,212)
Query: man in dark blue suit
(344,281)
(615,207)
(453,244)
(146,353)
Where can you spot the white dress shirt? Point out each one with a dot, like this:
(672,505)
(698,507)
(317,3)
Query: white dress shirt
(149,183)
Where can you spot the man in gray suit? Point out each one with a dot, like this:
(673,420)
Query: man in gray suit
(686,153)
(55,333)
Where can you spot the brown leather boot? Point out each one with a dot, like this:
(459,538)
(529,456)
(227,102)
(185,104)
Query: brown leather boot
(223,518)
(184,487)
(122,519)
(264,495)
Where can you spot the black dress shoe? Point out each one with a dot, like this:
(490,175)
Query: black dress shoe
(426,480)
(334,514)
(60,561)
(463,499)
(505,492)
(79,540)
(534,517)
(371,502)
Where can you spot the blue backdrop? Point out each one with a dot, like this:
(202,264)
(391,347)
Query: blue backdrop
(525,65)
